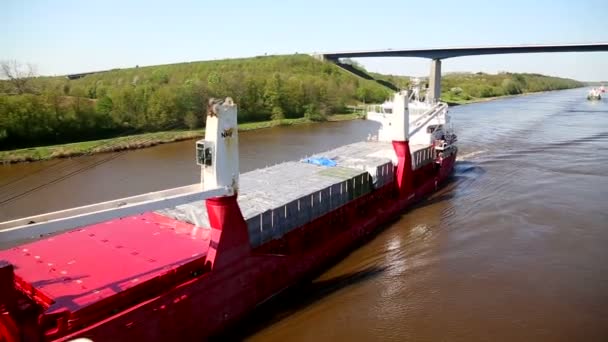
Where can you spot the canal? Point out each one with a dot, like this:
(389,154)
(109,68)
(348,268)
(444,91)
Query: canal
(514,247)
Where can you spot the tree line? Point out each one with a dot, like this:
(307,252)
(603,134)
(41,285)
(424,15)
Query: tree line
(50,110)
(469,86)
(147,99)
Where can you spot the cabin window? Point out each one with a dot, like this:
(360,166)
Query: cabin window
(203,154)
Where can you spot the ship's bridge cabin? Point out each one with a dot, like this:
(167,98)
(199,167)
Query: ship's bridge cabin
(427,121)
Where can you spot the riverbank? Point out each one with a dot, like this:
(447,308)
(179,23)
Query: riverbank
(492,98)
(137,141)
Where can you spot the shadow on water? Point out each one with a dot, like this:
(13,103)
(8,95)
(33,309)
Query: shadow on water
(292,300)
(467,169)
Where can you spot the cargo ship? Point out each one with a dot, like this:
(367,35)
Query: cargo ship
(185,263)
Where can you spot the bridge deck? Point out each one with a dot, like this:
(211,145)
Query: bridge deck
(441,53)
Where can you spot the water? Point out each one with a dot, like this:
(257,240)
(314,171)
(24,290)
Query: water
(515,247)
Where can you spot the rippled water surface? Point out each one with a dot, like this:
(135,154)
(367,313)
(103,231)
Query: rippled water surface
(513,248)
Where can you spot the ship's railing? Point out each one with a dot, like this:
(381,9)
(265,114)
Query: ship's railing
(278,221)
(422,157)
(63,220)
(378,108)
(439,108)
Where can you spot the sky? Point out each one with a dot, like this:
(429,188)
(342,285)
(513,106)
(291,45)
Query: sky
(60,37)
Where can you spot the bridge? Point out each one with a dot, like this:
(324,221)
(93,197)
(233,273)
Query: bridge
(437,54)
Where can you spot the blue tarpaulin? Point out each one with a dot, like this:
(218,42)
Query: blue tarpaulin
(321,161)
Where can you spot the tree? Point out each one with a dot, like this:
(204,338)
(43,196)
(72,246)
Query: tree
(17,74)
(364,94)
(104,105)
(511,87)
(273,95)
(159,76)
(191,120)
(313,114)
(277,113)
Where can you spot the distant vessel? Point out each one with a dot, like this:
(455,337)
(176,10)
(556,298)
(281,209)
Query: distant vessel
(184,263)
(594,94)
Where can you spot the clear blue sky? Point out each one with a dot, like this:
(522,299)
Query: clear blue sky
(62,37)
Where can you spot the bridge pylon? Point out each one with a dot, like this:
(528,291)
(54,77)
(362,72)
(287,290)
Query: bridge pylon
(434,91)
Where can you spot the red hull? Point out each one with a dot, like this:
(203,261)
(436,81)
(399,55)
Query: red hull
(241,278)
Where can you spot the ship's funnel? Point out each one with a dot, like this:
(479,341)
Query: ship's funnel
(218,153)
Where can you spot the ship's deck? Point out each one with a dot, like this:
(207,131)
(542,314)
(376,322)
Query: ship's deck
(82,267)
(279,184)
(278,198)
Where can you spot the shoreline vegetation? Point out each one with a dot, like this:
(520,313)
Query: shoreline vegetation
(492,98)
(144,140)
(49,117)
